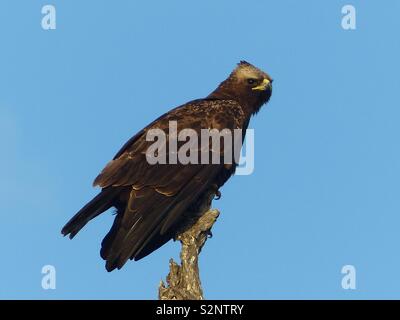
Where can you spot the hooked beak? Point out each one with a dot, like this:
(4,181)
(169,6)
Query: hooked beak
(264,85)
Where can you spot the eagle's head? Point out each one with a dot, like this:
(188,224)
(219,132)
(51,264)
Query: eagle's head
(248,85)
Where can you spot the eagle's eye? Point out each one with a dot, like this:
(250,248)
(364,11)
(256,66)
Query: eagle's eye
(251,81)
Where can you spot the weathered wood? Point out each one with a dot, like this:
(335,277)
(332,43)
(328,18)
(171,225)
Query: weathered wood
(183,281)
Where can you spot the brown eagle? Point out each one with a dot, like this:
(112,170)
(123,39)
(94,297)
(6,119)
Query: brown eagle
(153,201)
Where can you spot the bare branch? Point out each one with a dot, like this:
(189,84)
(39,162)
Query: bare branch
(183,281)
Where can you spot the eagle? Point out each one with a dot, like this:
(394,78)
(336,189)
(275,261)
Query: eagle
(154,201)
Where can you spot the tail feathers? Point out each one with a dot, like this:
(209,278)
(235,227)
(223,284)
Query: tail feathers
(102,202)
(106,244)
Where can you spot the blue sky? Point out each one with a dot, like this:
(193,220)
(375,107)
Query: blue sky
(325,190)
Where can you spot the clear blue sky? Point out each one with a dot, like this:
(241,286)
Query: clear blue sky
(325,191)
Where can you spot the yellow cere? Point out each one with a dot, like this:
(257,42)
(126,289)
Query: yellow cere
(263,85)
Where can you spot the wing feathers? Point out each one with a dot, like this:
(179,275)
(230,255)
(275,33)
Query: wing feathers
(150,215)
(155,196)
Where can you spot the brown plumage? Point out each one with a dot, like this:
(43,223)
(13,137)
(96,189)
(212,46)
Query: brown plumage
(154,201)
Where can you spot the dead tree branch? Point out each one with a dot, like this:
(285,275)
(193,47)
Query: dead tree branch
(183,281)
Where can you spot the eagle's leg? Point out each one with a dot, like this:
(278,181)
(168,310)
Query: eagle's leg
(215,190)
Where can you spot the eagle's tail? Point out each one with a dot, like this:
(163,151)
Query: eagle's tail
(102,202)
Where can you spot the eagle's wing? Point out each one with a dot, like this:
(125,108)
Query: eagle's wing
(160,193)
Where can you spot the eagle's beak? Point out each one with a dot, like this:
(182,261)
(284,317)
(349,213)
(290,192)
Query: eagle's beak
(264,85)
